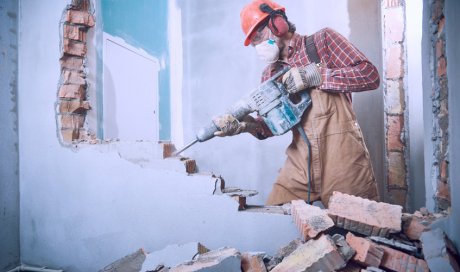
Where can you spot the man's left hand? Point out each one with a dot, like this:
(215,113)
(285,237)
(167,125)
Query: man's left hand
(300,78)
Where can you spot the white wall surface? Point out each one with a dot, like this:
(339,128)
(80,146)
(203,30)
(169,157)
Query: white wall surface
(83,207)
(219,70)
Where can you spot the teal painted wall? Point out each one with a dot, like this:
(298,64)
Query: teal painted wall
(144,24)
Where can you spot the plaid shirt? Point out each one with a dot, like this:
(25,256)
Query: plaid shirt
(343,67)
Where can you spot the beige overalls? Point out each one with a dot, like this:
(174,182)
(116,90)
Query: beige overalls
(340,159)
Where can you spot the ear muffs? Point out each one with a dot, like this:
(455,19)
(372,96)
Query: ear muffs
(278,26)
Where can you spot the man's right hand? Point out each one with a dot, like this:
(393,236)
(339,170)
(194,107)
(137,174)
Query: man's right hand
(229,125)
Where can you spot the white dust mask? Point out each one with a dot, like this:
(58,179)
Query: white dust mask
(268,51)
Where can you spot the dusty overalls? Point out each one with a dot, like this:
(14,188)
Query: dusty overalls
(340,159)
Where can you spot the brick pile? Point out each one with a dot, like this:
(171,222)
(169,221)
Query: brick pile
(353,234)
(72,104)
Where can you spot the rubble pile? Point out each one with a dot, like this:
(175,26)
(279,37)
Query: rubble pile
(353,234)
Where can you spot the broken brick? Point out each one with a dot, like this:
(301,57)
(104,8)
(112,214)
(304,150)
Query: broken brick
(74,48)
(73,77)
(315,255)
(310,220)
(75,32)
(72,91)
(364,216)
(251,262)
(190,166)
(80,17)
(73,121)
(71,62)
(73,106)
(439,252)
(241,202)
(283,253)
(367,252)
(168,149)
(414,228)
(223,259)
(398,261)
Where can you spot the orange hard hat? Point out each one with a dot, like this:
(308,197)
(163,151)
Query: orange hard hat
(251,16)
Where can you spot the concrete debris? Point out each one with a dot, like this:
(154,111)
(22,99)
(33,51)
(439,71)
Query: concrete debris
(364,216)
(310,220)
(344,248)
(223,259)
(347,238)
(315,255)
(253,262)
(130,263)
(439,251)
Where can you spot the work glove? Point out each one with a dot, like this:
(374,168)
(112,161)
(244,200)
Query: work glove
(300,78)
(228,125)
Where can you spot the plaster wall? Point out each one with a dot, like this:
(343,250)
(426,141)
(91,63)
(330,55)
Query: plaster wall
(219,70)
(452,9)
(83,207)
(9,167)
(414,18)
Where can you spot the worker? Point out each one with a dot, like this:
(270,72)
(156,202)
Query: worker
(339,158)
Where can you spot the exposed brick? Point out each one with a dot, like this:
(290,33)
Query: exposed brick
(75,32)
(441,25)
(440,48)
(394,24)
(398,261)
(190,166)
(80,17)
(71,62)
(438,251)
(442,66)
(74,48)
(367,252)
(69,135)
(315,255)
(72,91)
(394,62)
(364,216)
(223,259)
(73,121)
(443,190)
(310,220)
(395,130)
(437,10)
(398,196)
(252,262)
(241,202)
(73,77)
(396,170)
(73,106)
(168,149)
(394,97)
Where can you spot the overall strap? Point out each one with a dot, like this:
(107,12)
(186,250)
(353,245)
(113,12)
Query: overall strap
(311,49)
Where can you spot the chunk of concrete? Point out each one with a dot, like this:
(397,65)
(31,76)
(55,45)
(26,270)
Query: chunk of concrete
(223,259)
(439,253)
(344,248)
(283,253)
(170,256)
(315,255)
(130,263)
